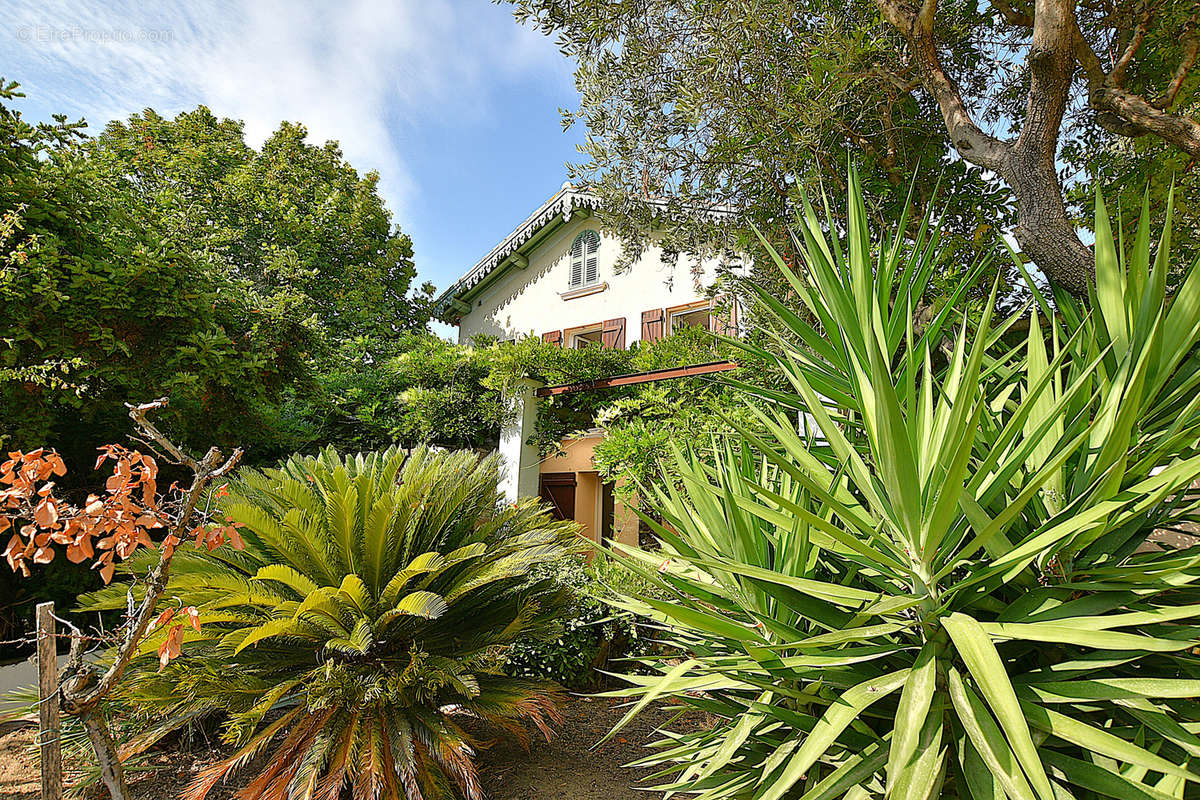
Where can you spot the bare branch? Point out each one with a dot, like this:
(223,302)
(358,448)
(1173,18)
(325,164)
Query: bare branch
(138,415)
(1135,43)
(1191,47)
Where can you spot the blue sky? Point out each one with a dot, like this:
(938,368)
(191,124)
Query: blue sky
(451,101)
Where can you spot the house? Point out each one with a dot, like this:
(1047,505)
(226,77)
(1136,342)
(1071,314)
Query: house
(555,276)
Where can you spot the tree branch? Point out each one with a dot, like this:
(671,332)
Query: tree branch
(1117,76)
(81,699)
(1191,47)
(1127,113)
(1051,67)
(1018,17)
(916,26)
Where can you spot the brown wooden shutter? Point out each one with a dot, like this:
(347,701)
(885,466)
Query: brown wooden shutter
(653,322)
(613,333)
(553,337)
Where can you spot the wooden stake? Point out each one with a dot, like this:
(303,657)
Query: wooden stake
(48,723)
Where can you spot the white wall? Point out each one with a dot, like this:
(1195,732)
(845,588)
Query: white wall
(528,302)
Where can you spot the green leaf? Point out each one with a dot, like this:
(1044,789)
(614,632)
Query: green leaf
(984,663)
(836,719)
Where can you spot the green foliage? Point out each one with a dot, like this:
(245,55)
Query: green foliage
(592,637)
(167,257)
(944,588)
(368,614)
(413,388)
(639,422)
(641,425)
(749,103)
(419,389)
(561,415)
(308,233)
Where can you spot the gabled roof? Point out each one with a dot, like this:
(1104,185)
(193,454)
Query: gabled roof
(554,212)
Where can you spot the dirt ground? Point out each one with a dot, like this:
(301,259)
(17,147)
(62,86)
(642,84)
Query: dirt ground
(565,767)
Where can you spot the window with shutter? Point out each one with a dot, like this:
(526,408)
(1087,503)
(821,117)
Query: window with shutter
(585,263)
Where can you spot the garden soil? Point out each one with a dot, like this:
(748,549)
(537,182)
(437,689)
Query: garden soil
(570,765)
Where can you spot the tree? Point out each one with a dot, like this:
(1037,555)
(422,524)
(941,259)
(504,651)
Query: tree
(294,219)
(99,302)
(105,529)
(744,102)
(169,257)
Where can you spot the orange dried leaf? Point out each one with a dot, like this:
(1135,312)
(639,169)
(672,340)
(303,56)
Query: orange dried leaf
(171,648)
(162,619)
(46,513)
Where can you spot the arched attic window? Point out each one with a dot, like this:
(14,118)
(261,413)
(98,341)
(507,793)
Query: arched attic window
(585,266)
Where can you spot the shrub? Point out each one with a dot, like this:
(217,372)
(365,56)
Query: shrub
(365,618)
(593,639)
(944,589)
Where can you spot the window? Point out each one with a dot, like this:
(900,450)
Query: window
(591,336)
(694,315)
(585,266)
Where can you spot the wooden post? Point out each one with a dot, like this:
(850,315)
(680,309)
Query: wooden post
(48,724)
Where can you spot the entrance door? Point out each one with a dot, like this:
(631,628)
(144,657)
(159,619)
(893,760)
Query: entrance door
(558,489)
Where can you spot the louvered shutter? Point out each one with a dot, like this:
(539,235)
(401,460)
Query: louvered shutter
(612,335)
(577,249)
(591,258)
(553,337)
(652,324)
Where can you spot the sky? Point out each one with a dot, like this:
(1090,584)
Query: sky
(451,101)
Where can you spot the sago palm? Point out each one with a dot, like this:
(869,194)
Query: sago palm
(938,585)
(360,625)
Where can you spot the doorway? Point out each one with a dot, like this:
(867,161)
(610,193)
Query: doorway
(558,489)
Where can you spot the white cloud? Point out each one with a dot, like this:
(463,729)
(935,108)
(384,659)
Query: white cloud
(344,69)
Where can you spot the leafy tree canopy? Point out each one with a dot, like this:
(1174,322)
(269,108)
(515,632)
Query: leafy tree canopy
(749,102)
(295,220)
(168,257)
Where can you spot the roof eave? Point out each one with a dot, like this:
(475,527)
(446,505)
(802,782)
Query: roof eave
(505,256)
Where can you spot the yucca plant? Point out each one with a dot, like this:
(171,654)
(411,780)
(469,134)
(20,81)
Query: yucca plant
(930,577)
(362,622)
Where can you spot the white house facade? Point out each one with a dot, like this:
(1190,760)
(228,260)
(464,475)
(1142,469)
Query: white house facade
(555,277)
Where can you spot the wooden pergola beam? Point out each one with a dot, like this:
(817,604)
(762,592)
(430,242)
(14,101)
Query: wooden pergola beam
(632,379)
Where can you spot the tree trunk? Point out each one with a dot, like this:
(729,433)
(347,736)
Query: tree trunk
(1045,233)
(107,755)
(1043,229)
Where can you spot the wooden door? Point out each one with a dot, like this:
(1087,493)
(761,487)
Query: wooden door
(558,489)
